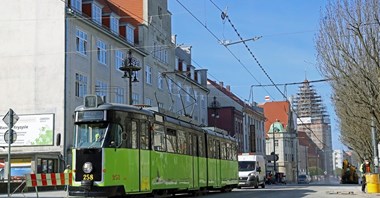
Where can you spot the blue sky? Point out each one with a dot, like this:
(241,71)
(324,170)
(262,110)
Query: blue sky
(286,50)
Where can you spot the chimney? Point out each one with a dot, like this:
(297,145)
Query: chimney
(228,87)
(221,84)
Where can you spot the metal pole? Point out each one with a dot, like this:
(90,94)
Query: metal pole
(130,86)
(307,160)
(9,150)
(373,134)
(274,153)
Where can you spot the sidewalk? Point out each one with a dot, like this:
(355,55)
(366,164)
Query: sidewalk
(43,194)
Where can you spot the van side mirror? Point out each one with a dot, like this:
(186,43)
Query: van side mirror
(258,169)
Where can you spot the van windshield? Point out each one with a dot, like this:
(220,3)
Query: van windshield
(247,166)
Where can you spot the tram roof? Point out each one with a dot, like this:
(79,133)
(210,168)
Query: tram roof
(116,106)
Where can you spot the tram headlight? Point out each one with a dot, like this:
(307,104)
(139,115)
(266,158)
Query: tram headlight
(87,167)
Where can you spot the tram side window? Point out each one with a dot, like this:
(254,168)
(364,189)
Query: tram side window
(223,150)
(144,136)
(115,137)
(201,146)
(171,140)
(217,149)
(228,151)
(234,152)
(211,148)
(158,138)
(134,134)
(182,142)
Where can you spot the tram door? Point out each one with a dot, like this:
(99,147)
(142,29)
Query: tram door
(144,156)
(134,157)
(195,154)
(140,156)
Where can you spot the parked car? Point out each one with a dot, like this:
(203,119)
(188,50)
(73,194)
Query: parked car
(303,179)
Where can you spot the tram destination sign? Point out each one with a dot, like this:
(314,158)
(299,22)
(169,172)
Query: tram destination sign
(90,115)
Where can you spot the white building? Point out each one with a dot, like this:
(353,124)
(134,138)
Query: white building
(56,52)
(284,144)
(337,159)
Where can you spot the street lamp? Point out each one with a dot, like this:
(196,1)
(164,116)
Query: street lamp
(130,67)
(274,129)
(215,106)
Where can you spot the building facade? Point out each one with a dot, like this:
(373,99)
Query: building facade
(281,138)
(253,129)
(78,53)
(313,119)
(225,111)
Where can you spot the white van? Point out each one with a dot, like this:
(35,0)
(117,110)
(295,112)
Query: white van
(252,170)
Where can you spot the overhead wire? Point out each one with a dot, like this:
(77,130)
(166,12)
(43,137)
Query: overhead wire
(220,41)
(266,73)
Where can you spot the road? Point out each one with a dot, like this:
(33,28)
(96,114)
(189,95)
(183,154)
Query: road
(271,191)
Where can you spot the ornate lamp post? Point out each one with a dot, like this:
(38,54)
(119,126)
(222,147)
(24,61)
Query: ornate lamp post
(130,68)
(274,130)
(215,106)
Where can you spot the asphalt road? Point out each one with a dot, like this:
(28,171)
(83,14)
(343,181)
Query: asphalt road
(271,191)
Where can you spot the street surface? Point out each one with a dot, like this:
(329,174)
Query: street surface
(271,191)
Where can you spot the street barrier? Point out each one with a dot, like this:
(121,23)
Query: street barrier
(48,179)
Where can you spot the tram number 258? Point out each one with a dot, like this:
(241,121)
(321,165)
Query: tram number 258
(88,177)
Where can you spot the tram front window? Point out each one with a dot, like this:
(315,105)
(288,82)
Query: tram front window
(90,135)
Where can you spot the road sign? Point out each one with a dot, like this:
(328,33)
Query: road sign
(13,136)
(6,118)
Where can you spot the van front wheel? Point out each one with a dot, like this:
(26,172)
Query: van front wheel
(257,184)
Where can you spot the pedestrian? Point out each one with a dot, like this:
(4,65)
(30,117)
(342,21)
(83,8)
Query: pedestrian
(365,168)
(67,170)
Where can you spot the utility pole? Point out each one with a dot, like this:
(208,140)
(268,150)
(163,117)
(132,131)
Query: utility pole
(374,144)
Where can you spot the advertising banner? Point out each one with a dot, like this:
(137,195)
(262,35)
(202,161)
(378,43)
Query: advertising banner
(30,130)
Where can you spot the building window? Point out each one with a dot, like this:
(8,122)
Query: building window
(203,102)
(80,85)
(170,86)
(101,88)
(102,53)
(159,12)
(119,92)
(47,165)
(81,42)
(148,74)
(176,63)
(276,143)
(165,56)
(188,94)
(119,57)
(96,14)
(159,81)
(114,24)
(135,98)
(130,34)
(148,101)
(161,105)
(76,5)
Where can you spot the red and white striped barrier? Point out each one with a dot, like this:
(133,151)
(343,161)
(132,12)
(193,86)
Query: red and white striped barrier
(48,179)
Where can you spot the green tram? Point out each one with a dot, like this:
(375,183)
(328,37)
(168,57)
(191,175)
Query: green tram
(122,150)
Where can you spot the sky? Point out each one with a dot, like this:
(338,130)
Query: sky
(283,51)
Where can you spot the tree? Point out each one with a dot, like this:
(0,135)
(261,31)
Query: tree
(314,171)
(337,171)
(348,53)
